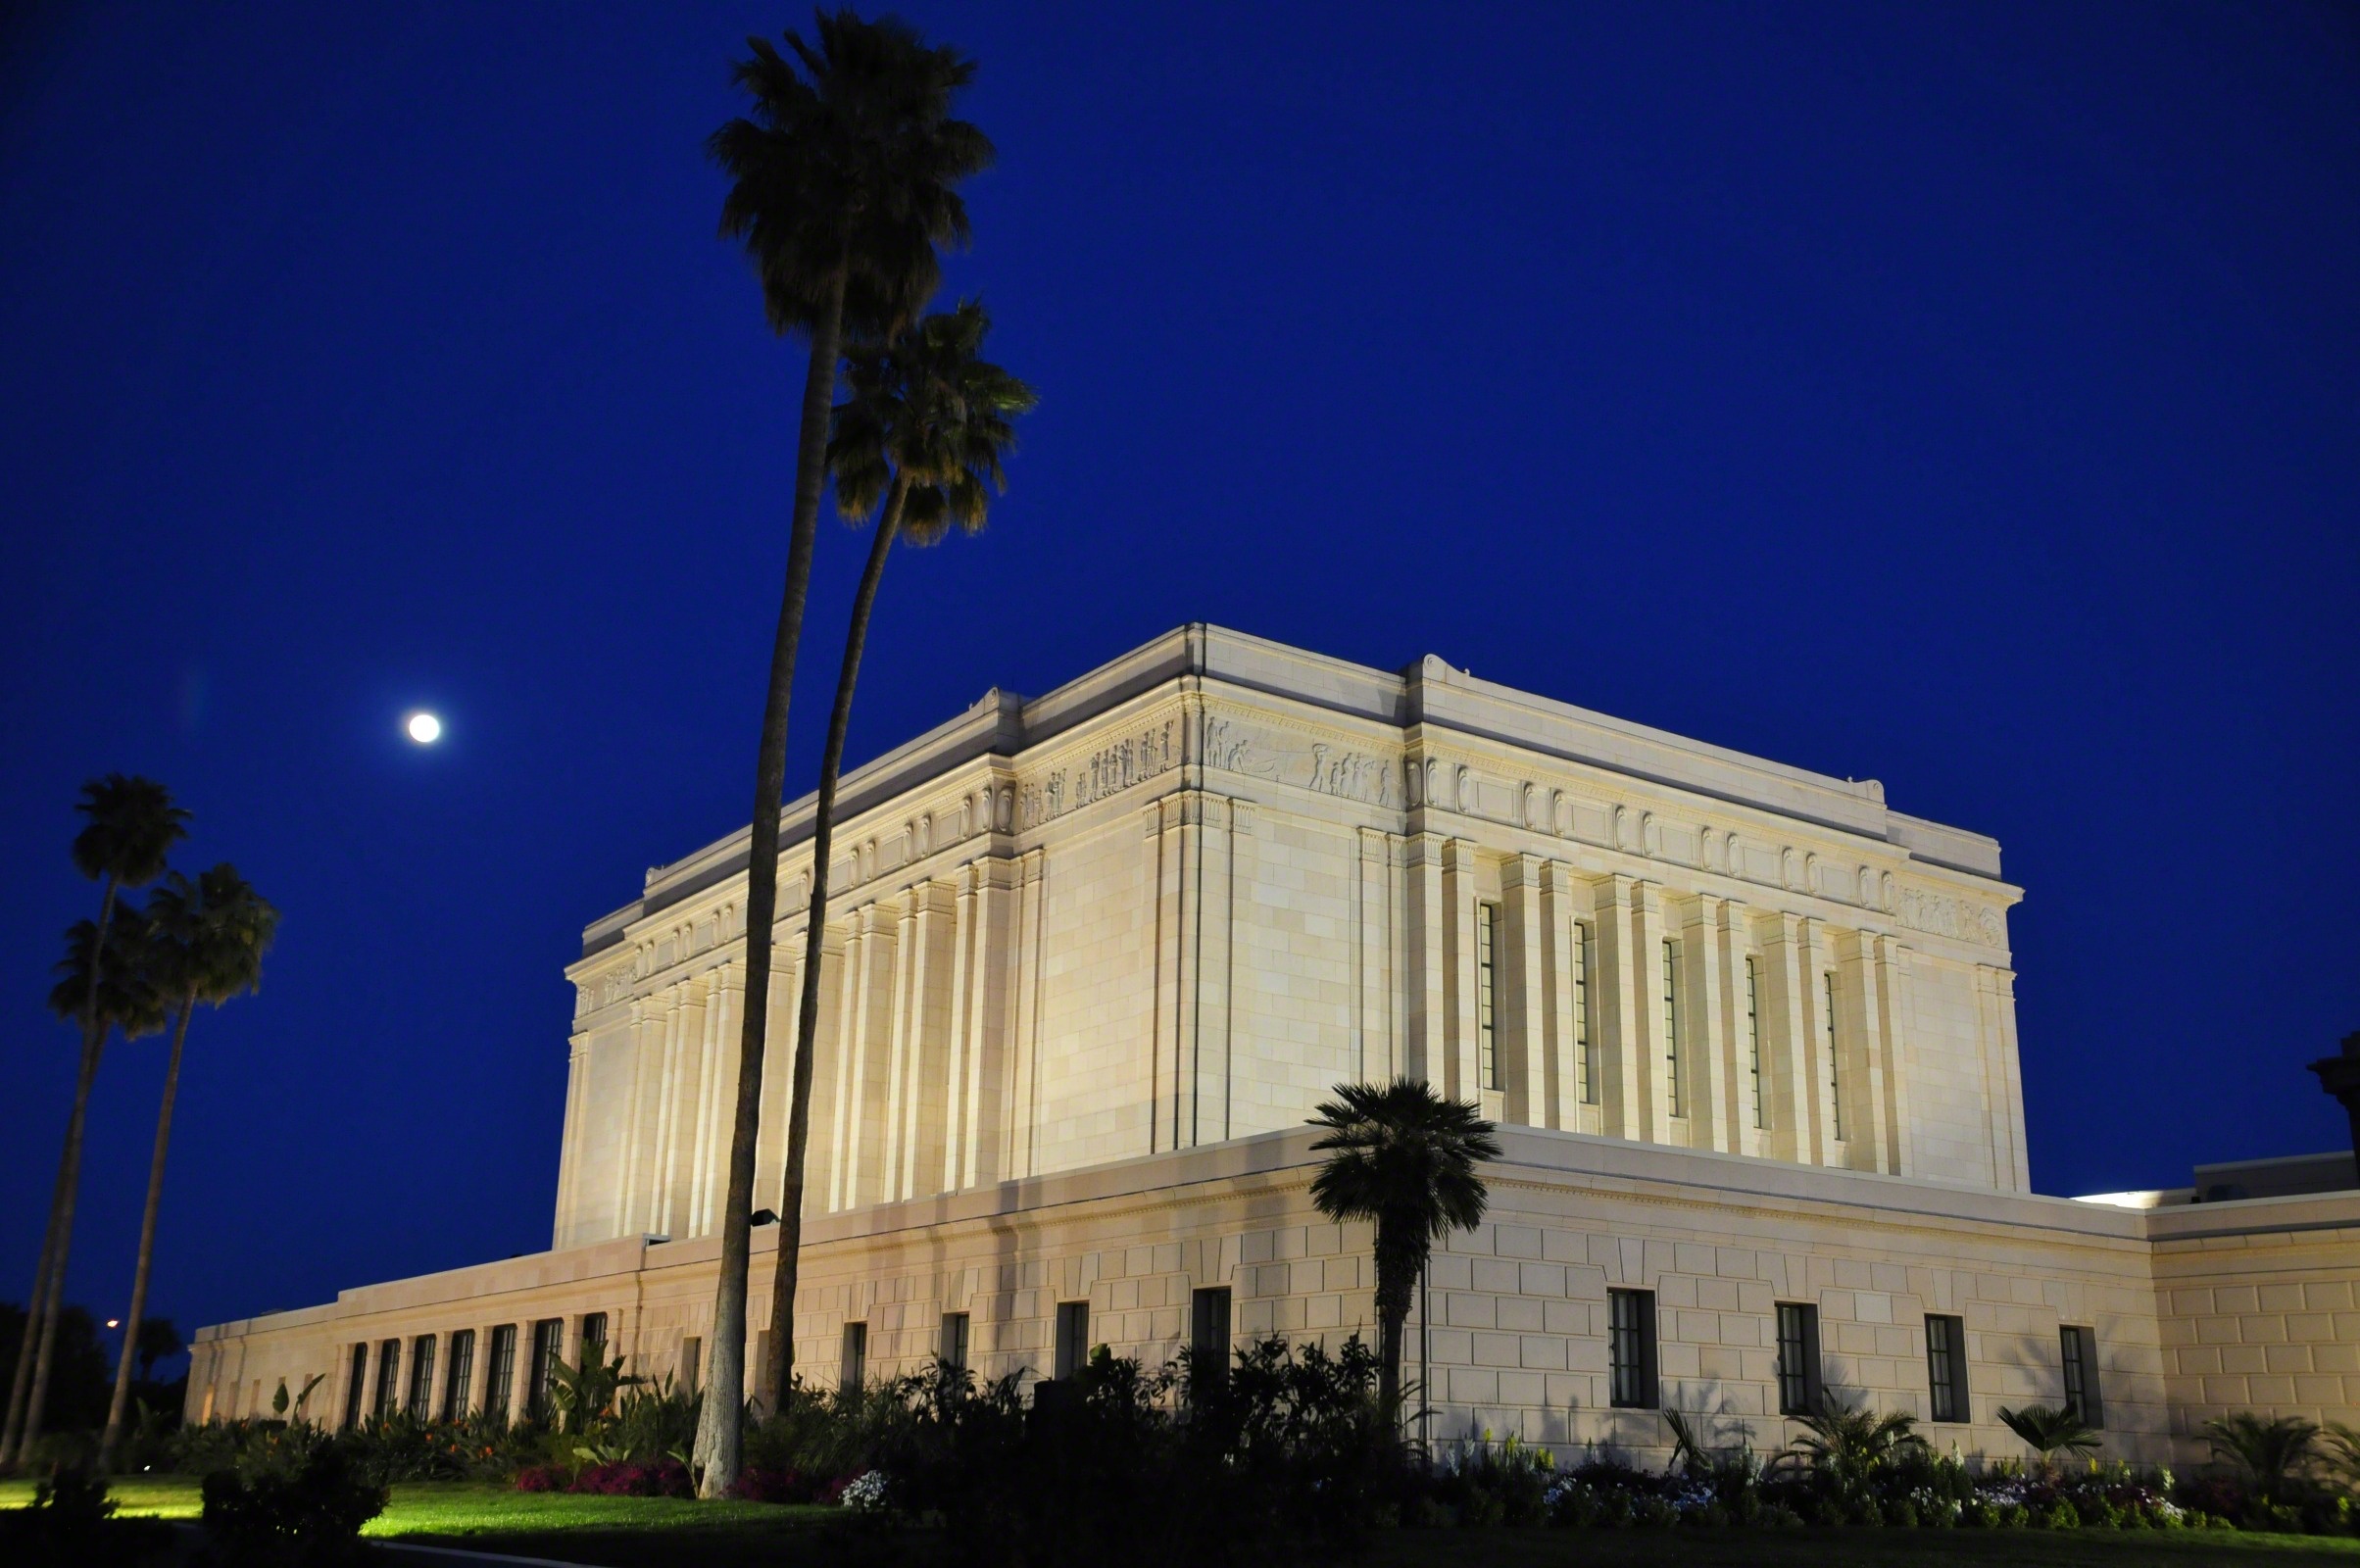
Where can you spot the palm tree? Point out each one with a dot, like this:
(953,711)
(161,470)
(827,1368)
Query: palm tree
(1845,1443)
(2048,1432)
(130,825)
(841,189)
(2270,1454)
(1403,1157)
(920,438)
(208,938)
(112,984)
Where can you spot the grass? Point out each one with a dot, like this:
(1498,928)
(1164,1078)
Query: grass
(669,1533)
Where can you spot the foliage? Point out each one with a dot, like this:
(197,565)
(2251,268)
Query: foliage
(1496,1484)
(2048,1432)
(1846,1445)
(2269,1456)
(77,1367)
(583,1394)
(629,1478)
(2339,1451)
(158,1341)
(302,1510)
(72,1522)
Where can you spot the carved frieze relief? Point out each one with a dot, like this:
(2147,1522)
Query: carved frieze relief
(1108,771)
(1961,920)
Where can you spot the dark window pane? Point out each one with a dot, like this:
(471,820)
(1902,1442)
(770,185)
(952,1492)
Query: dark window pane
(1797,1358)
(1631,1349)
(356,1386)
(2079,1348)
(503,1370)
(455,1380)
(1208,1335)
(953,1351)
(1947,1367)
(1073,1338)
(854,1372)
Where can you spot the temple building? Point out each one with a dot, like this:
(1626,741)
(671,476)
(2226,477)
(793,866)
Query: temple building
(1093,958)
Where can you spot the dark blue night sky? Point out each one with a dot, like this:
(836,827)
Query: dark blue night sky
(1966,396)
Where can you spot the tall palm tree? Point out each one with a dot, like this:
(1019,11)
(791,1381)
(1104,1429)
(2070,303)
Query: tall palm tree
(919,439)
(112,985)
(130,826)
(207,941)
(1402,1155)
(840,187)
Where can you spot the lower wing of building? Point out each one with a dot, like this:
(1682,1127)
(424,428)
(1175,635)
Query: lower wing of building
(1091,959)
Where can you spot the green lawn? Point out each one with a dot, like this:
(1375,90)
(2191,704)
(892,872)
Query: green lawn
(666,1533)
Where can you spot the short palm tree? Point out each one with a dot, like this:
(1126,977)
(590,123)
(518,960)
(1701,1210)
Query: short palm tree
(206,944)
(2271,1455)
(2340,1446)
(129,826)
(842,184)
(920,440)
(1403,1157)
(1845,1443)
(2050,1431)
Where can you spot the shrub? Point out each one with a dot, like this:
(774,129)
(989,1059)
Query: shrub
(72,1523)
(305,1515)
(544,1478)
(767,1484)
(662,1477)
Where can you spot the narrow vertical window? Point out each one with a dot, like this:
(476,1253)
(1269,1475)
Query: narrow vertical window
(1487,1041)
(953,1351)
(547,1348)
(389,1378)
(502,1372)
(2079,1348)
(1584,1053)
(692,1363)
(456,1387)
(356,1385)
(853,1374)
(594,1338)
(1754,1039)
(1073,1338)
(421,1378)
(1827,1024)
(1631,1349)
(1671,1028)
(1797,1358)
(1947,1367)
(1209,1338)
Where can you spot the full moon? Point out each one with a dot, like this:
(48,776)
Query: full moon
(425,728)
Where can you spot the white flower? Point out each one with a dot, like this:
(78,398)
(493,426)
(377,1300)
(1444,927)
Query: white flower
(864,1493)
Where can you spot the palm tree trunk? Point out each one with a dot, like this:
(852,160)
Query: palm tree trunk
(147,1243)
(721,1434)
(70,1168)
(778,1367)
(21,1385)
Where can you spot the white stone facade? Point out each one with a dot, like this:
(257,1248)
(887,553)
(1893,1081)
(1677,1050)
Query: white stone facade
(1093,959)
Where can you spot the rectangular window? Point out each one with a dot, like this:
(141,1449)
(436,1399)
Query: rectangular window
(389,1378)
(692,1363)
(1754,1039)
(851,1371)
(502,1373)
(1487,1041)
(594,1338)
(1671,1028)
(547,1348)
(421,1378)
(356,1386)
(455,1380)
(1946,1366)
(1584,1053)
(1797,1358)
(1827,1016)
(2079,1345)
(1073,1338)
(1631,1349)
(1208,1335)
(953,1351)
